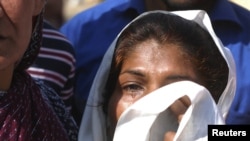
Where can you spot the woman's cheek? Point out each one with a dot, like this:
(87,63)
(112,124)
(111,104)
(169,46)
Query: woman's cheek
(121,107)
(117,105)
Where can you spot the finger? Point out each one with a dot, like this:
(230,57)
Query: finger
(180,106)
(185,100)
(169,136)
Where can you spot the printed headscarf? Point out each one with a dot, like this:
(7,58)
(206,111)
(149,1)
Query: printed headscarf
(135,125)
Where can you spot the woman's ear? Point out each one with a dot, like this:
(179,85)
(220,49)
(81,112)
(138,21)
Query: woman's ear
(38,6)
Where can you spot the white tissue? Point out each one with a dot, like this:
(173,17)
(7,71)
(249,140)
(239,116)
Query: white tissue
(148,119)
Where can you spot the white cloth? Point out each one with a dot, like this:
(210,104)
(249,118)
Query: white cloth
(93,125)
(135,124)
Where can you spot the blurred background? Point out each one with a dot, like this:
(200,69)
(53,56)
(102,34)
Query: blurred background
(59,11)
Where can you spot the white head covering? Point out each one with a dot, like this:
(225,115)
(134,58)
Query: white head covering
(135,124)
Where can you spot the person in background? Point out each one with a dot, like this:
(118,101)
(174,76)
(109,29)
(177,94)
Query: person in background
(93,30)
(161,59)
(54,13)
(72,7)
(29,109)
(55,64)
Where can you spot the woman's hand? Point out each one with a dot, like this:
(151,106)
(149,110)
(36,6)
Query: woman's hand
(178,108)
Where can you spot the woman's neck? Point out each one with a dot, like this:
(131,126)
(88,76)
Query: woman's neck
(160,5)
(6,78)
(154,5)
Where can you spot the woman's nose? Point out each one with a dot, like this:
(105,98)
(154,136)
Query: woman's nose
(152,87)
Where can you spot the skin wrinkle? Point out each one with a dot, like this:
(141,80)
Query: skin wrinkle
(15,36)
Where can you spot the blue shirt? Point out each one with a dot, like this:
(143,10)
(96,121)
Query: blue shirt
(93,30)
(232,25)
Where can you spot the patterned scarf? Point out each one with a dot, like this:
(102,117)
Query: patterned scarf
(25,115)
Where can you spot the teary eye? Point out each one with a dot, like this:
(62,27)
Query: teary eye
(132,89)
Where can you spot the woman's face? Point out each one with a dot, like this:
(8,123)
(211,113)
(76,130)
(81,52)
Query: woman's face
(16,28)
(149,67)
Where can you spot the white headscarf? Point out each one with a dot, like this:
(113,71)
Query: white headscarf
(134,124)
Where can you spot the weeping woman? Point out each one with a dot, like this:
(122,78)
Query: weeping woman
(165,77)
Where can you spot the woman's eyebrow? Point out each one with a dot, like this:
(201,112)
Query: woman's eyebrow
(138,72)
(133,72)
(178,77)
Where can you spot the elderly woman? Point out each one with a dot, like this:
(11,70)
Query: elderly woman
(28,109)
(165,73)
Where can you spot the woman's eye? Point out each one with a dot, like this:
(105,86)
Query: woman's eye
(133,90)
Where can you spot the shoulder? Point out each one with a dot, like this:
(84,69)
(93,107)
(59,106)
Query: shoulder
(239,7)
(241,11)
(49,32)
(106,17)
(106,10)
(243,17)
(53,39)
(229,12)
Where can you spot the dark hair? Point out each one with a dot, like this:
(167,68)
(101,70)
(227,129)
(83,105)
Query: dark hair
(190,37)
